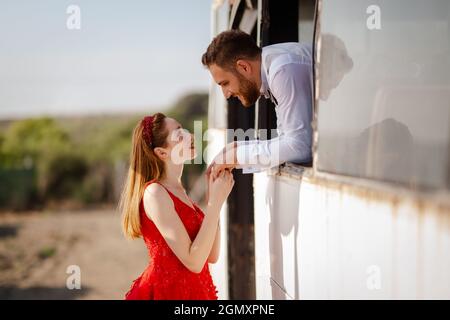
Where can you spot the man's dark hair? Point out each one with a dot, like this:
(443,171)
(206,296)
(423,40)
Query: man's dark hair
(228,47)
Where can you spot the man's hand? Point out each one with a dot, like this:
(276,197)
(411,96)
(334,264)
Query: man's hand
(226,159)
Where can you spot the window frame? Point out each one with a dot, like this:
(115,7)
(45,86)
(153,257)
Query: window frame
(363,184)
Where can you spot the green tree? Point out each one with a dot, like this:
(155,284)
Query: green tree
(29,141)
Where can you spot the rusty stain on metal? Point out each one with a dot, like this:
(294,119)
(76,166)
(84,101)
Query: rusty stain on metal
(418,206)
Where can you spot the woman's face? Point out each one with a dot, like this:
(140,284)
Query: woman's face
(180,143)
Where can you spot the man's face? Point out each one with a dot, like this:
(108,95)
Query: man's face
(235,84)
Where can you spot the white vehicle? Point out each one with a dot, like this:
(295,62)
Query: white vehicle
(370,217)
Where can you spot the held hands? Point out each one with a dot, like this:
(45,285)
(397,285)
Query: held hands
(219,175)
(224,160)
(220,187)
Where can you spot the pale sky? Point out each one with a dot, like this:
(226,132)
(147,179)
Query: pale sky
(128,55)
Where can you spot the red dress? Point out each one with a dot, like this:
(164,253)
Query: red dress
(166,278)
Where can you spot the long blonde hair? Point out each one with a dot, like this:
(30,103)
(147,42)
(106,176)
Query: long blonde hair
(144,166)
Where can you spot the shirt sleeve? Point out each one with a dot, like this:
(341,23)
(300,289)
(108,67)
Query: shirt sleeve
(292,87)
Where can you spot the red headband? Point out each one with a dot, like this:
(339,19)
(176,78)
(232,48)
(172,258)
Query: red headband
(147,123)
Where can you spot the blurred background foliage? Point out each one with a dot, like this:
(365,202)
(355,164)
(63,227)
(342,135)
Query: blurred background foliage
(80,161)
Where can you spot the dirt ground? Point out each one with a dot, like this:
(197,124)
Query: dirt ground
(37,248)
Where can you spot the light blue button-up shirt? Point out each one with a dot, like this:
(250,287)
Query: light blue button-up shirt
(286,78)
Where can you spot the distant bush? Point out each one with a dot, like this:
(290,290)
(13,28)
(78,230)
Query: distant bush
(27,142)
(190,108)
(28,146)
(64,174)
(18,190)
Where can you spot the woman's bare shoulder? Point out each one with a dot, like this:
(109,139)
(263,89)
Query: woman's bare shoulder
(156,195)
(155,189)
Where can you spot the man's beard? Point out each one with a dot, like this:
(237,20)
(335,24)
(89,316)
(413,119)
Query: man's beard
(247,91)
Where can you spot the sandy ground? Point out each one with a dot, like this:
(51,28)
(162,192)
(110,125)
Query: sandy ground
(37,248)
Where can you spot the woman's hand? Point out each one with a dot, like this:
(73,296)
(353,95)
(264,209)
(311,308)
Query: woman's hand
(224,160)
(220,187)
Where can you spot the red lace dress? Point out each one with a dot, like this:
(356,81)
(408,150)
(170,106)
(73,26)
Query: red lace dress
(166,278)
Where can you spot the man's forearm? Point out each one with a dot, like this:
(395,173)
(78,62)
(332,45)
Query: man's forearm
(269,153)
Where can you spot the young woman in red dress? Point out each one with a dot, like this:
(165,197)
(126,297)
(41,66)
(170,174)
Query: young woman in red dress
(180,238)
